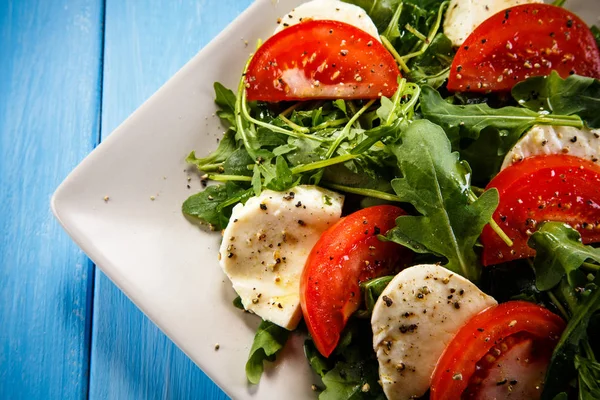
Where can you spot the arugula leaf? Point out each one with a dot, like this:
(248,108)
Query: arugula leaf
(317,362)
(589,378)
(468,121)
(380,11)
(559,251)
(354,374)
(437,184)
(372,290)
(225,99)
(491,131)
(433,66)
(562,364)
(213,205)
(574,95)
(596,33)
(268,341)
(226,147)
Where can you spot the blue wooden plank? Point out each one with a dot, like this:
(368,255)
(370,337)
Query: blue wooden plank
(50,73)
(145,44)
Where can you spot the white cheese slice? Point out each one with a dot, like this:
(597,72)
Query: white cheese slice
(584,143)
(416,316)
(266,244)
(463,16)
(333,10)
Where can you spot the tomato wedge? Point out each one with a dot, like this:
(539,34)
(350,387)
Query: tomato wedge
(520,42)
(346,254)
(554,187)
(504,349)
(321,59)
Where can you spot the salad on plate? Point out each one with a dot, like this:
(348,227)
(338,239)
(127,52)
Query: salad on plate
(415,185)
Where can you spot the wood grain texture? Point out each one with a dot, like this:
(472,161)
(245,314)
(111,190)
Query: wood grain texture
(50,65)
(146,42)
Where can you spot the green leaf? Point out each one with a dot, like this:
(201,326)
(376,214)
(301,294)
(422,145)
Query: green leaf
(256,181)
(341,105)
(437,184)
(227,145)
(372,290)
(468,121)
(589,377)
(559,252)
(317,362)
(213,205)
(269,340)
(237,303)
(574,95)
(225,99)
(237,163)
(562,364)
(493,131)
(432,67)
(596,33)
(283,178)
(355,370)
(385,109)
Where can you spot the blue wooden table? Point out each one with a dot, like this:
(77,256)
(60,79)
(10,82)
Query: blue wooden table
(70,72)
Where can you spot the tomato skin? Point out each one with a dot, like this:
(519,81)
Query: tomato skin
(321,60)
(554,187)
(347,253)
(481,333)
(520,42)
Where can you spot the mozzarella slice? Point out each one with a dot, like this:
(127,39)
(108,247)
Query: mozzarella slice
(266,244)
(333,10)
(584,143)
(463,16)
(416,316)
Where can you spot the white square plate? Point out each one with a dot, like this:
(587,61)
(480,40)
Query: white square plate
(165,264)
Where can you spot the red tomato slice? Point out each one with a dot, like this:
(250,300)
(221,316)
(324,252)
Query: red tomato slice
(490,348)
(543,188)
(346,254)
(321,60)
(520,42)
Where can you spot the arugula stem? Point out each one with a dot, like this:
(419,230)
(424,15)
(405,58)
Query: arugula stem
(394,53)
(590,267)
(415,32)
(352,107)
(395,100)
(496,228)
(493,224)
(394,21)
(431,34)
(289,110)
(210,167)
(559,3)
(477,190)
(226,178)
(362,191)
(346,129)
(558,304)
(241,94)
(561,120)
(272,127)
(329,124)
(323,163)
(414,97)
(293,125)
(587,349)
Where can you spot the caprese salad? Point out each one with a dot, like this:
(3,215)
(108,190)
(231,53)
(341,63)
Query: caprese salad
(416,185)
